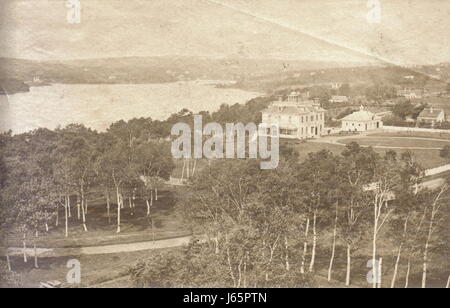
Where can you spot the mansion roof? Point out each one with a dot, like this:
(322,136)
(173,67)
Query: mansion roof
(292,109)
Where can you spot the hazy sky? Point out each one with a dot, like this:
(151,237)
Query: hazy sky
(411,31)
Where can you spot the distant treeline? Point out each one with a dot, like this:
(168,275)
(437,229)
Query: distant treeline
(12,86)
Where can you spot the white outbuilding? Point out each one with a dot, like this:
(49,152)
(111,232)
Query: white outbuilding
(361,121)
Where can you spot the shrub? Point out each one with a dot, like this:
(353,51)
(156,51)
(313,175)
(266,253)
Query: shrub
(445,151)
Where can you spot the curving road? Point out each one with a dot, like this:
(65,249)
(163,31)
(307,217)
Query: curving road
(104,249)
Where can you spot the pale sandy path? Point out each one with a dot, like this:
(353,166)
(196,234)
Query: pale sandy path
(104,249)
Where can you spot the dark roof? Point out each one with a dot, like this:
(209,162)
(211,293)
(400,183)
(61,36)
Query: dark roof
(431,113)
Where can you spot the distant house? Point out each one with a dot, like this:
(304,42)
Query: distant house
(338,99)
(361,121)
(432,116)
(336,85)
(410,93)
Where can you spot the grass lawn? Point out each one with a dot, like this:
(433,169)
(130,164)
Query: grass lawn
(95,269)
(111,270)
(412,134)
(397,142)
(304,149)
(427,158)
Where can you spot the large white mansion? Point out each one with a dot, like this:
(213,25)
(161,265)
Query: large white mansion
(297,117)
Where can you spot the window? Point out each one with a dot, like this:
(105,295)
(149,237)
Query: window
(290,132)
(301,118)
(312,118)
(290,119)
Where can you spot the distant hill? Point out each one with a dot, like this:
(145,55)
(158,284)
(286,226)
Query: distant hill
(12,85)
(147,69)
(417,77)
(251,74)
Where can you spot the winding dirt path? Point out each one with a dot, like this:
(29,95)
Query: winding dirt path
(103,249)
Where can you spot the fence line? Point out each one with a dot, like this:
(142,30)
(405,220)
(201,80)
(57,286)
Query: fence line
(416,129)
(437,170)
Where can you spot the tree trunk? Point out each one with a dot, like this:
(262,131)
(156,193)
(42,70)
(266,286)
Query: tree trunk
(78,208)
(182,171)
(448,282)
(153,231)
(380,267)
(245,268)
(108,206)
(85,205)
(36,264)
(408,269)
(118,209)
(216,245)
(427,243)
(83,211)
(333,247)
(46,227)
(286,248)
(193,171)
(305,247)
(8,261)
(313,253)
(374,246)
(148,207)
(425,264)
(66,215)
(25,248)
(68,209)
(156,194)
(349,262)
(188,171)
(130,204)
(57,216)
(397,261)
(425,251)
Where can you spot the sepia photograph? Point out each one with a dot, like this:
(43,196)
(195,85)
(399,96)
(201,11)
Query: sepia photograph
(224,149)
